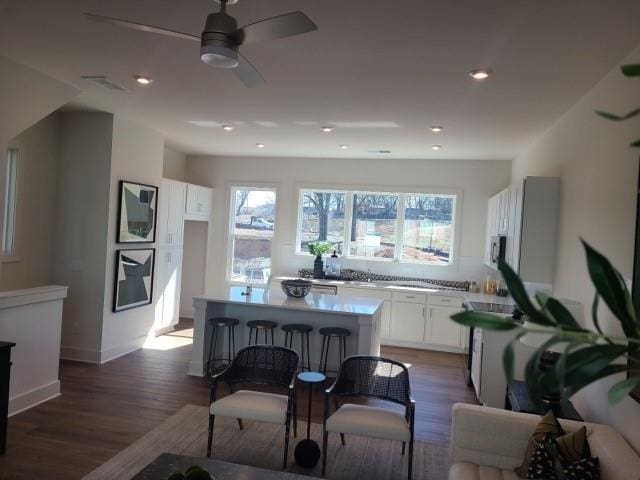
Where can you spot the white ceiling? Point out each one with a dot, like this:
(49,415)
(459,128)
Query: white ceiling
(383,71)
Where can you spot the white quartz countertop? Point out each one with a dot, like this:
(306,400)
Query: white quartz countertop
(341,304)
(16,298)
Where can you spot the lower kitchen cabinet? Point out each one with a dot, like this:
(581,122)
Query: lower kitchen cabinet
(443,330)
(407,322)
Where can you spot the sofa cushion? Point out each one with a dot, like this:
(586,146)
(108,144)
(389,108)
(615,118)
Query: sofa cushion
(547,426)
(368,421)
(259,406)
(471,471)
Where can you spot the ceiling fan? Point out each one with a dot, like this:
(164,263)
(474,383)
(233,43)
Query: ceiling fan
(221,38)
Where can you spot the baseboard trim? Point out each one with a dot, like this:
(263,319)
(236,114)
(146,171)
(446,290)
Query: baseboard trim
(79,354)
(187,313)
(33,397)
(421,346)
(120,350)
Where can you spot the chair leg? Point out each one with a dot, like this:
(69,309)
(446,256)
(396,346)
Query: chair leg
(210,440)
(265,336)
(404,444)
(342,439)
(325,437)
(302,351)
(272,339)
(410,458)
(212,351)
(240,424)
(324,340)
(286,446)
(233,343)
(308,355)
(326,355)
(295,418)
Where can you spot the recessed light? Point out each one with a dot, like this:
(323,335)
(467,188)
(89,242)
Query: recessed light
(327,129)
(436,129)
(227,128)
(142,80)
(480,73)
(260,145)
(344,147)
(436,147)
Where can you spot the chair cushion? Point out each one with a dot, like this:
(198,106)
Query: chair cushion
(259,406)
(471,471)
(368,421)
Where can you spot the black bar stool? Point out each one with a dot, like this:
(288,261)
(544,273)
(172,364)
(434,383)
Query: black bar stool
(267,326)
(290,329)
(230,324)
(327,334)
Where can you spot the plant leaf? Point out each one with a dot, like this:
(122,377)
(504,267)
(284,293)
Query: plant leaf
(484,320)
(632,70)
(605,372)
(519,294)
(611,287)
(561,314)
(636,143)
(618,118)
(622,389)
(594,317)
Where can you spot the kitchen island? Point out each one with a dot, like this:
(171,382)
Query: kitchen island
(362,316)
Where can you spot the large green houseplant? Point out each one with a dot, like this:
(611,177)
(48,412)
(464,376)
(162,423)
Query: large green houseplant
(589,354)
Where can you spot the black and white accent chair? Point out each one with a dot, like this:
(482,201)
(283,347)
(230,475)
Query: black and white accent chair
(260,365)
(370,377)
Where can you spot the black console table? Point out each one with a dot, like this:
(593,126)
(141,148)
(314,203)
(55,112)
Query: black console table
(5,375)
(518,401)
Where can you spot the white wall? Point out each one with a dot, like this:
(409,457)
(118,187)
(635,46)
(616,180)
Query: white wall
(175,165)
(477,179)
(599,177)
(81,228)
(31,263)
(137,155)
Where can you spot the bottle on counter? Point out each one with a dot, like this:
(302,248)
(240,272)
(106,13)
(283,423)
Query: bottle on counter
(490,285)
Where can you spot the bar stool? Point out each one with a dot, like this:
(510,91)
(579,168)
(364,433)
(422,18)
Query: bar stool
(290,329)
(327,334)
(266,326)
(230,324)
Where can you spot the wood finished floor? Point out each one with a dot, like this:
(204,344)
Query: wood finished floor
(104,408)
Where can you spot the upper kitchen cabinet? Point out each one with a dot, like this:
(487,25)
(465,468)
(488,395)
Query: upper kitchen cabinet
(172,195)
(199,200)
(522,225)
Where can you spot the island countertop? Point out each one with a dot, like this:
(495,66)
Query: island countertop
(346,305)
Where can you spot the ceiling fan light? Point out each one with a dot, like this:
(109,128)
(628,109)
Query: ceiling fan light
(218,56)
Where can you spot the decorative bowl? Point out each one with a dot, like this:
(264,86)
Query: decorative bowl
(297,288)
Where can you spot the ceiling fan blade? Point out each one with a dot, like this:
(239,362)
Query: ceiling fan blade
(287,25)
(141,27)
(248,74)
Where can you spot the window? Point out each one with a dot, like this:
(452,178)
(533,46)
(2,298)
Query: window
(321,218)
(10,200)
(403,227)
(252,226)
(373,225)
(428,228)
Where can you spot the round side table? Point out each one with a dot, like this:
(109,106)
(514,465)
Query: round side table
(307,452)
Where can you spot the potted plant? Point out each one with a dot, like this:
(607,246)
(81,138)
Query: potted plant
(319,248)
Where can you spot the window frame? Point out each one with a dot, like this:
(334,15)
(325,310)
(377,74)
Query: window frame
(402,193)
(9,211)
(231,190)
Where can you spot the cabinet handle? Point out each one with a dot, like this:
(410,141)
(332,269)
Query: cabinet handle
(409,296)
(168,257)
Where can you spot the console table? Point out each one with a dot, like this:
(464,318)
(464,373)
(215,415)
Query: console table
(518,401)
(5,374)
(168,463)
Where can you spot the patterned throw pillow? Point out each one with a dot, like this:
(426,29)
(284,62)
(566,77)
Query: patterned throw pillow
(548,425)
(543,467)
(574,446)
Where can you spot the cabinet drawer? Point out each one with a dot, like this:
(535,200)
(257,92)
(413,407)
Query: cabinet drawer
(445,301)
(409,297)
(364,293)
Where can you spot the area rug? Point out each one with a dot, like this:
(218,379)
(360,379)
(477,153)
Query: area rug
(260,445)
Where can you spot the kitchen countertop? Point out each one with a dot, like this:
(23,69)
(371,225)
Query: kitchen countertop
(467,296)
(342,304)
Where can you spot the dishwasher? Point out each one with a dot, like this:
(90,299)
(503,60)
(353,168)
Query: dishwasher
(325,289)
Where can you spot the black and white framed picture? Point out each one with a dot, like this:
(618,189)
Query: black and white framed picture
(137,213)
(134,278)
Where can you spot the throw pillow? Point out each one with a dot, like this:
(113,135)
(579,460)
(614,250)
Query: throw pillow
(542,465)
(573,447)
(548,425)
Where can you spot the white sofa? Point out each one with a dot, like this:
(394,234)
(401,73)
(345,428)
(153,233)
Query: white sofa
(489,443)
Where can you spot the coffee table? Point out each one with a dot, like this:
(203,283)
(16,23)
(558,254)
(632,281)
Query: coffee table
(168,463)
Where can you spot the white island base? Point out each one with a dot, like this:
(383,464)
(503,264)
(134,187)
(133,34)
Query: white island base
(362,316)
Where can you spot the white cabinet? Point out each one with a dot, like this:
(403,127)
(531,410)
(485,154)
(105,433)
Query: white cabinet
(199,200)
(440,329)
(408,321)
(370,293)
(171,212)
(167,288)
